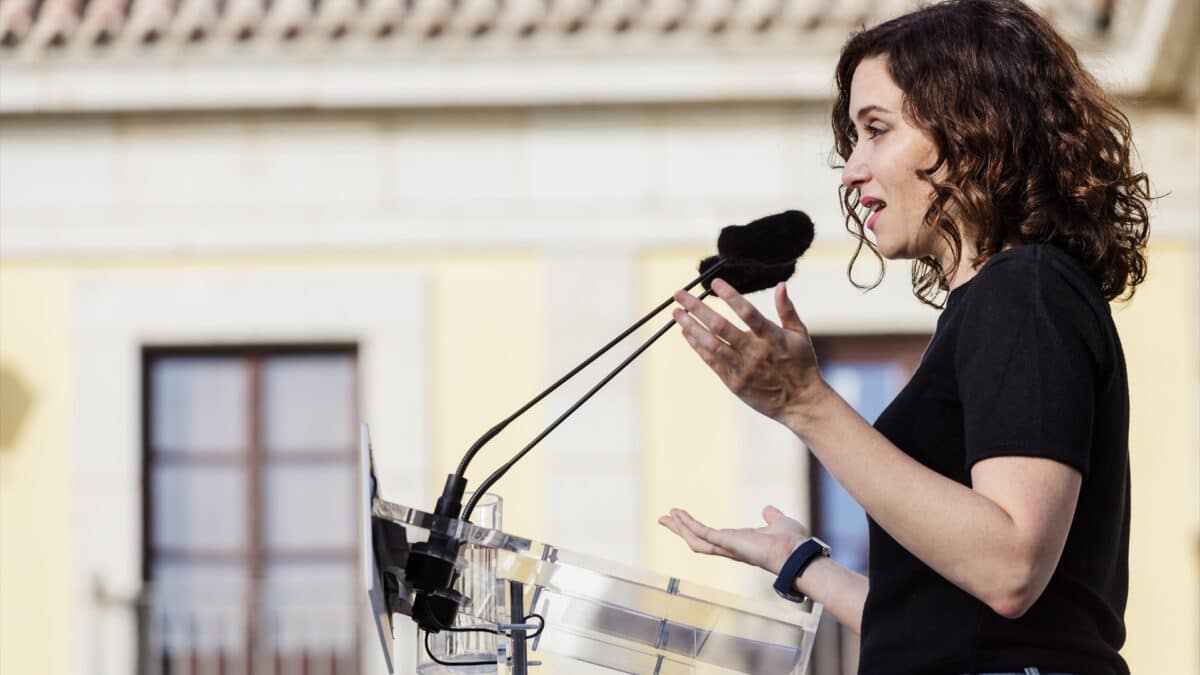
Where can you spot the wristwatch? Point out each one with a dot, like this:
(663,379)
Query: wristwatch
(801,558)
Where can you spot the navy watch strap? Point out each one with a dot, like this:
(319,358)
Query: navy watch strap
(801,558)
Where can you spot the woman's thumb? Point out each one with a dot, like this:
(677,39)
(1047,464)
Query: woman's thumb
(788,317)
(771,514)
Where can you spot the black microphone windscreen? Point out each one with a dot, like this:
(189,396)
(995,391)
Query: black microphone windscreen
(748,276)
(777,238)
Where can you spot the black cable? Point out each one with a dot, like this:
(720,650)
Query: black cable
(493,631)
(480,629)
(541,626)
(491,433)
(499,473)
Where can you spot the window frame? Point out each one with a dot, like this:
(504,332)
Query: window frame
(254,459)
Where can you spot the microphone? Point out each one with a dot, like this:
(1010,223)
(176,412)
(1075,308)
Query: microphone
(748,276)
(777,238)
(759,255)
(751,257)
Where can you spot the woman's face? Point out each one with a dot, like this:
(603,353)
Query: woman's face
(884,162)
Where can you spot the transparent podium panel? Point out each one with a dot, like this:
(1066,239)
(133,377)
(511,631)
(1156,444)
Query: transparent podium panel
(485,602)
(601,617)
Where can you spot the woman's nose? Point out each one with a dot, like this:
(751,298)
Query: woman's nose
(855,173)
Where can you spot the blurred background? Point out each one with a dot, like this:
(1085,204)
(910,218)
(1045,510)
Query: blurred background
(231,229)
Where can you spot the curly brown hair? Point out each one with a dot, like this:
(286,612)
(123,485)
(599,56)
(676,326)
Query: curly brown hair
(1033,149)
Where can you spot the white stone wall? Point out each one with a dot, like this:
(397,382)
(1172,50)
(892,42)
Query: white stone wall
(635,177)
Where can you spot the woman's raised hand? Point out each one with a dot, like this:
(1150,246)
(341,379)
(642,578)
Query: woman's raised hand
(767,547)
(771,367)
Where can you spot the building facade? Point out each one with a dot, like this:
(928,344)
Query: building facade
(230,231)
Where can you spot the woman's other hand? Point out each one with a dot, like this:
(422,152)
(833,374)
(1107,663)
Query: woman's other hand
(771,367)
(767,547)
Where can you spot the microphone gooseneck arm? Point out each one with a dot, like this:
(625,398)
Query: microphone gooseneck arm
(491,433)
(499,473)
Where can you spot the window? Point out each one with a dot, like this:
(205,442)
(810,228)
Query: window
(250,534)
(867,371)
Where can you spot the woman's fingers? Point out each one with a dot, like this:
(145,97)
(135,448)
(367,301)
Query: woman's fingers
(697,544)
(716,353)
(719,538)
(764,547)
(787,311)
(755,321)
(717,324)
(770,367)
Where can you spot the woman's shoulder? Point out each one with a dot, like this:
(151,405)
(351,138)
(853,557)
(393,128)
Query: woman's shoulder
(1044,284)
(1044,271)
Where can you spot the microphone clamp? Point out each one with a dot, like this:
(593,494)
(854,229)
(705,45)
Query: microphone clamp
(431,569)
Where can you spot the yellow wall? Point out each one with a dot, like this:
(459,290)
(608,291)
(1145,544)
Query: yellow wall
(688,421)
(489,349)
(35,414)
(1159,332)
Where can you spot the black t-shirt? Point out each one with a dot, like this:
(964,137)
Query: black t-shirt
(1025,361)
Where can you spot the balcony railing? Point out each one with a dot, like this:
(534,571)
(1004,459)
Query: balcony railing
(230,629)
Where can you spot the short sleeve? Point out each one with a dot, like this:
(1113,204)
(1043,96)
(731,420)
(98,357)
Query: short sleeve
(1026,377)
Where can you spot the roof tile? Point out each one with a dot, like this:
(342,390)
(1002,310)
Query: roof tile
(101,22)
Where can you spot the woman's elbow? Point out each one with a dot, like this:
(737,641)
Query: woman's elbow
(1017,592)
(1013,605)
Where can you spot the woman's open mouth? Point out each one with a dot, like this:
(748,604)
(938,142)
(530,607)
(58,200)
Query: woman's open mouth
(875,214)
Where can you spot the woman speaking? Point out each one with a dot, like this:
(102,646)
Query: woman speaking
(997,482)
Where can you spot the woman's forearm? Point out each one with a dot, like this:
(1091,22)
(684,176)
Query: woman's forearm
(842,591)
(963,535)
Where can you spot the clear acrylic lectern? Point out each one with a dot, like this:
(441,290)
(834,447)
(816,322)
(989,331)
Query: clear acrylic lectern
(597,616)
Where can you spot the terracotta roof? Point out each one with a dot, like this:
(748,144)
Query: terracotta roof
(46,24)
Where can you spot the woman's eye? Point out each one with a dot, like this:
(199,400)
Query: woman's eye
(872,132)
